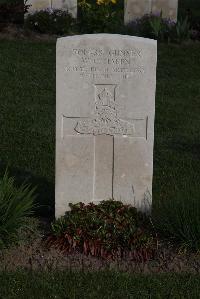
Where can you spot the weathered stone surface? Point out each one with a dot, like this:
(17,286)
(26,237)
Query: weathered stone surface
(137,8)
(38,5)
(70,5)
(104,119)
(169,8)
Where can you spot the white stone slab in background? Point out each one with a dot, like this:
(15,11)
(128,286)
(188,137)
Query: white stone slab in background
(169,8)
(104,119)
(137,8)
(37,5)
(69,5)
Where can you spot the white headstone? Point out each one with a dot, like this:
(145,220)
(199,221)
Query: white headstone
(69,5)
(105,119)
(37,5)
(137,8)
(169,8)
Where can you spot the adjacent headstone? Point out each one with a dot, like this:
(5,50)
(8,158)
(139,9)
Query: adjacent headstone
(134,9)
(36,5)
(105,119)
(169,8)
(138,8)
(69,5)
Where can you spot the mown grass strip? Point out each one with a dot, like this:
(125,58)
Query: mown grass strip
(97,285)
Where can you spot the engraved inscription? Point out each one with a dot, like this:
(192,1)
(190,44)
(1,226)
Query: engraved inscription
(98,63)
(106,120)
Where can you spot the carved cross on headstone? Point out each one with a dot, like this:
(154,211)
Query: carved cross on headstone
(104,126)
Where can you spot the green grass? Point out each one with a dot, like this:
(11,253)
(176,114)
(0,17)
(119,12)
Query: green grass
(27,118)
(27,105)
(177,146)
(99,285)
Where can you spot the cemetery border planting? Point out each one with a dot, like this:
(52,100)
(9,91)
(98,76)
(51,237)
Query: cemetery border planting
(109,230)
(16,204)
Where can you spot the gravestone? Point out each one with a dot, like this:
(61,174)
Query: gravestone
(105,119)
(169,8)
(138,8)
(37,5)
(69,5)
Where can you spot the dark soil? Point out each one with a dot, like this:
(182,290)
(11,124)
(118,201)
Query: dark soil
(33,254)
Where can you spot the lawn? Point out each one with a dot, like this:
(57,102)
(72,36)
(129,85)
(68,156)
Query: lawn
(27,122)
(99,285)
(27,105)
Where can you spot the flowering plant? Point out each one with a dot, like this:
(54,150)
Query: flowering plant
(109,229)
(106,2)
(100,16)
(153,26)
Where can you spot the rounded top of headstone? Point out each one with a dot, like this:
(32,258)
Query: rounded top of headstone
(110,37)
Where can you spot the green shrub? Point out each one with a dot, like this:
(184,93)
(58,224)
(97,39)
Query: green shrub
(182,30)
(191,10)
(50,21)
(109,229)
(105,17)
(16,203)
(156,24)
(156,27)
(152,26)
(178,218)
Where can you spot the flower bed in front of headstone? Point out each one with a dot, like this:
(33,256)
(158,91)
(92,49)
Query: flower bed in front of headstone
(166,241)
(109,230)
